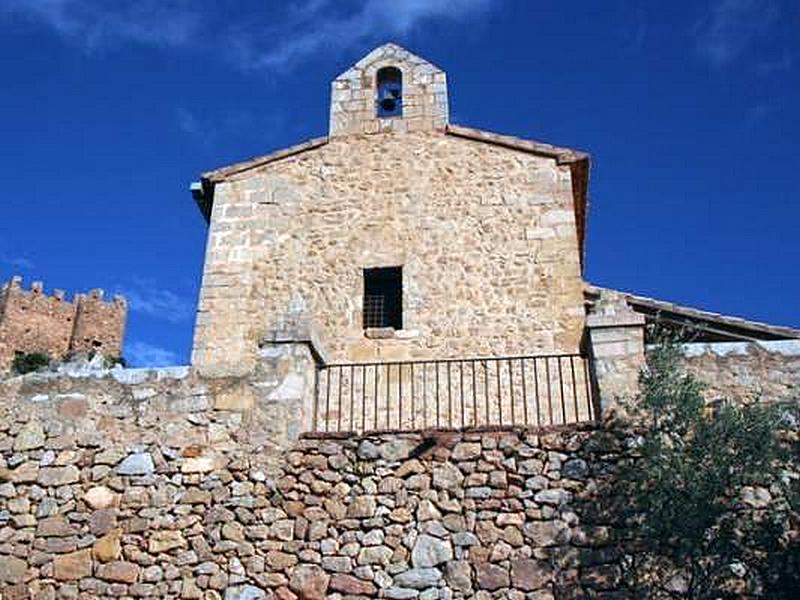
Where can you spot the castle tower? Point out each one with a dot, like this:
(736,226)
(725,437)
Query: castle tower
(99,325)
(390,89)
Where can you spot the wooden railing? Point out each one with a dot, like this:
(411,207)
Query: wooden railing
(525,391)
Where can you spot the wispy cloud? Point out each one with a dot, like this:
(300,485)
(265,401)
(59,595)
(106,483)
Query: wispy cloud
(94,23)
(145,297)
(730,27)
(237,123)
(273,37)
(142,354)
(18,262)
(14,260)
(320,25)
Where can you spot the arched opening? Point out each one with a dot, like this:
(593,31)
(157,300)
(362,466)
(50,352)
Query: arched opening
(389,83)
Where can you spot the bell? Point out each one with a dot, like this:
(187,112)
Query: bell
(388,104)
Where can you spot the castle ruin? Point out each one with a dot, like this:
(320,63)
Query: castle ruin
(33,321)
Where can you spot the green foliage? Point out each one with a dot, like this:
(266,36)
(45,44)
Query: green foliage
(696,535)
(113,361)
(27,362)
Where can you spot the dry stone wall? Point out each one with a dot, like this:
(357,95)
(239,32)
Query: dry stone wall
(486,237)
(747,371)
(166,485)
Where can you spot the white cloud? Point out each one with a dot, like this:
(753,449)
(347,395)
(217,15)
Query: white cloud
(142,354)
(18,262)
(274,37)
(94,23)
(320,26)
(731,27)
(209,131)
(145,297)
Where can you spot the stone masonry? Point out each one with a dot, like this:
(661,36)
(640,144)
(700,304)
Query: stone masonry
(32,321)
(166,484)
(746,372)
(162,484)
(488,231)
(616,340)
(425,104)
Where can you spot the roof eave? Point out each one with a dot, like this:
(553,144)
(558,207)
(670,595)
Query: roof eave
(736,327)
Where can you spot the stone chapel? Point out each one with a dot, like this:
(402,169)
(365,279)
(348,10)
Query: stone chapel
(401,236)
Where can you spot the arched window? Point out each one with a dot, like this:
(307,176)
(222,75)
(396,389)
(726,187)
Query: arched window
(389,82)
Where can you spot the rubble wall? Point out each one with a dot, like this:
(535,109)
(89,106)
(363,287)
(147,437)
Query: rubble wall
(166,485)
(747,371)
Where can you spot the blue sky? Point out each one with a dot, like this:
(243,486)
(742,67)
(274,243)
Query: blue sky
(109,109)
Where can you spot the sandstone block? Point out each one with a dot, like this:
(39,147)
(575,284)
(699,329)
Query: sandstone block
(362,507)
(491,577)
(245,592)
(108,547)
(458,575)
(55,527)
(347,584)
(12,569)
(30,437)
(118,571)
(309,582)
(446,477)
(530,575)
(418,579)
(73,566)
(57,476)
(100,497)
(199,464)
(164,541)
(236,399)
(467,451)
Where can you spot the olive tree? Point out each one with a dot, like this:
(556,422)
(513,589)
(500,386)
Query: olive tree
(712,494)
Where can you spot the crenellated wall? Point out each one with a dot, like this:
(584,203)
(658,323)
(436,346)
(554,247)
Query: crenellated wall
(33,321)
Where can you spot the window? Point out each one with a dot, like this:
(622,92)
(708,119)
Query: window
(389,83)
(383,297)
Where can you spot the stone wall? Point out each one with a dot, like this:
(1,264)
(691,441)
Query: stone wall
(616,345)
(747,371)
(353,95)
(99,325)
(33,321)
(485,234)
(166,485)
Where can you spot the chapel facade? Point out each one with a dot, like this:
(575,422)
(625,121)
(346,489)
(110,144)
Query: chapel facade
(399,235)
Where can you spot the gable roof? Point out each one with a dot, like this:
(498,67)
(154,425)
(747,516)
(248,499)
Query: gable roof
(390,49)
(708,326)
(578,162)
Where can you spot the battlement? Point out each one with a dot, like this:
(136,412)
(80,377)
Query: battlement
(33,321)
